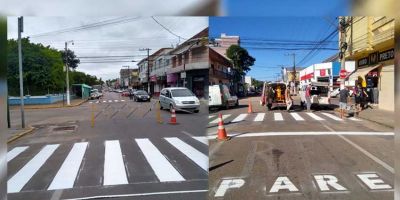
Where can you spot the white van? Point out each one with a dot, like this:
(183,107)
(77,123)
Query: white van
(320,94)
(219,96)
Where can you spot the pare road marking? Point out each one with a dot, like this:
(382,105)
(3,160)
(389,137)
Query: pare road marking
(228,184)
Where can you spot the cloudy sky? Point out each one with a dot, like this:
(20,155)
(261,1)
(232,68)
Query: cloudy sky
(106,44)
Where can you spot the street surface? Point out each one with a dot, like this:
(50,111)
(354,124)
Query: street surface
(299,155)
(126,155)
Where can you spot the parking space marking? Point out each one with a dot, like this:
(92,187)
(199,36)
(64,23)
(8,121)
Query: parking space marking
(278,117)
(163,169)
(259,117)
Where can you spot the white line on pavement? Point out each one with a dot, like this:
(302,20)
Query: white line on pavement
(201,139)
(15,152)
(354,119)
(114,168)
(316,117)
(18,181)
(264,134)
(332,116)
(239,118)
(91,102)
(297,117)
(278,117)
(66,176)
(104,101)
(110,101)
(140,194)
(161,166)
(193,154)
(122,100)
(259,117)
(223,118)
(211,116)
(116,100)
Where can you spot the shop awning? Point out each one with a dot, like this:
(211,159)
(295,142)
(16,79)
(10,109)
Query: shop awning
(362,72)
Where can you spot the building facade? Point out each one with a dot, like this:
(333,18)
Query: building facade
(220,65)
(327,72)
(129,78)
(371,45)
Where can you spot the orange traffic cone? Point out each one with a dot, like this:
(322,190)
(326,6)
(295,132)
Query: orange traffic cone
(221,129)
(250,108)
(173,117)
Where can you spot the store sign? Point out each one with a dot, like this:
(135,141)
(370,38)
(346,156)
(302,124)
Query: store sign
(183,75)
(376,57)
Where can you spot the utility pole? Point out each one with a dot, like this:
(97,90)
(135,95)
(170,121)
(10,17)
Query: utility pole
(21,80)
(343,46)
(148,68)
(67,69)
(293,84)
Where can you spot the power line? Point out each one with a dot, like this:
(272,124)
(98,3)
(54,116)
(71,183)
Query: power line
(179,37)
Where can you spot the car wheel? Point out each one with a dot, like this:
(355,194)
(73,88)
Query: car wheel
(196,111)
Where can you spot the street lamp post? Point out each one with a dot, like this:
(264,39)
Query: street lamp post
(21,80)
(67,69)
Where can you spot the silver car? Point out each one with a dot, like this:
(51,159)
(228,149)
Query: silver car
(179,98)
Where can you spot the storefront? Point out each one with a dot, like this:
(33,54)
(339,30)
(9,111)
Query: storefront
(197,82)
(172,80)
(375,72)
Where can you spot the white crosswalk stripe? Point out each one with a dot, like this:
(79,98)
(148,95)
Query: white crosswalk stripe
(104,101)
(239,118)
(259,117)
(116,100)
(354,119)
(196,156)
(162,168)
(202,139)
(109,101)
(278,117)
(91,102)
(332,117)
(211,116)
(65,177)
(114,168)
(15,152)
(223,118)
(316,117)
(122,100)
(18,181)
(297,117)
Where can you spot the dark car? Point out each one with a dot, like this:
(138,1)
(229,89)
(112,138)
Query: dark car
(141,95)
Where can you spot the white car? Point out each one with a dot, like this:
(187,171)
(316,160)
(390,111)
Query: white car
(335,92)
(179,98)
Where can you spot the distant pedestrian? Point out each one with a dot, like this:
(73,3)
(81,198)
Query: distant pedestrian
(288,98)
(343,96)
(130,94)
(357,98)
(308,97)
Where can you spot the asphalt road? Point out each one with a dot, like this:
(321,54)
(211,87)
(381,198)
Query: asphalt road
(127,154)
(299,155)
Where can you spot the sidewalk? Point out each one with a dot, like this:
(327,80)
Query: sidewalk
(15,133)
(379,116)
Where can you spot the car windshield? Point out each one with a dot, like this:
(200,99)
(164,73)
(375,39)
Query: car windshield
(141,92)
(181,93)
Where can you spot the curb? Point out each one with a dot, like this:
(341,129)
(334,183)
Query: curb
(19,135)
(380,123)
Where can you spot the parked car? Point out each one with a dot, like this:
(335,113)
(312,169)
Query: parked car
(320,95)
(273,95)
(95,94)
(141,95)
(179,98)
(219,96)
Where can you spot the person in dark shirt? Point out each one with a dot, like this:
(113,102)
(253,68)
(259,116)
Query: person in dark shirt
(343,96)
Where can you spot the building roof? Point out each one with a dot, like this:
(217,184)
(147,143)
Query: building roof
(158,52)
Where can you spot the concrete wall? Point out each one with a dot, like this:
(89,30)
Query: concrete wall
(35,100)
(386,88)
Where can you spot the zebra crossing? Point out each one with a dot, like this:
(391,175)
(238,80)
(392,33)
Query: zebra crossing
(116,170)
(278,116)
(107,101)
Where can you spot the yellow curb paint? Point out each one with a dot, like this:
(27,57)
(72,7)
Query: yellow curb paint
(19,135)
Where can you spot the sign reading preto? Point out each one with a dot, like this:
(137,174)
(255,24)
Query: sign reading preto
(376,57)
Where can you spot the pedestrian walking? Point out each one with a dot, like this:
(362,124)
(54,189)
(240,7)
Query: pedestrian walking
(131,94)
(308,97)
(343,96)
(288,98)
(357,98)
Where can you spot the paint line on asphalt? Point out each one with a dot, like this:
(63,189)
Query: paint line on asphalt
(18,181)
(193,154)
(223,118)
(66,175)
(122,100)
(239,118)
(116,100)
(278,117)
(110,101)
(211,116)
(15,152)
(354,119)
(332,116)
(201,139)
(316,117)
(259,117)
(140,194)
(365,152)
(297,117)
(161,166)
(114,168)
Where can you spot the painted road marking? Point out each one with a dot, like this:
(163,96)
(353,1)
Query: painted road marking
(373,181)
(116,100)
(283,183)
(354,119)
(278,117)
(201,139)
(122,100)
(161,166)
(332,116)
(228,184)
(223,118)
(297,117)
(15,152)
(91,102)
(141,194)
(211,116)
(239,118)
(66,175)
(104,101)
(114,168)
(18,181)
(324,181)
(259,117)
(316,117)
(193,154)
(110,101)
(97,101)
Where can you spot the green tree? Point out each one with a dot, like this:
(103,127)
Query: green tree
(241,60)
(73,61)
